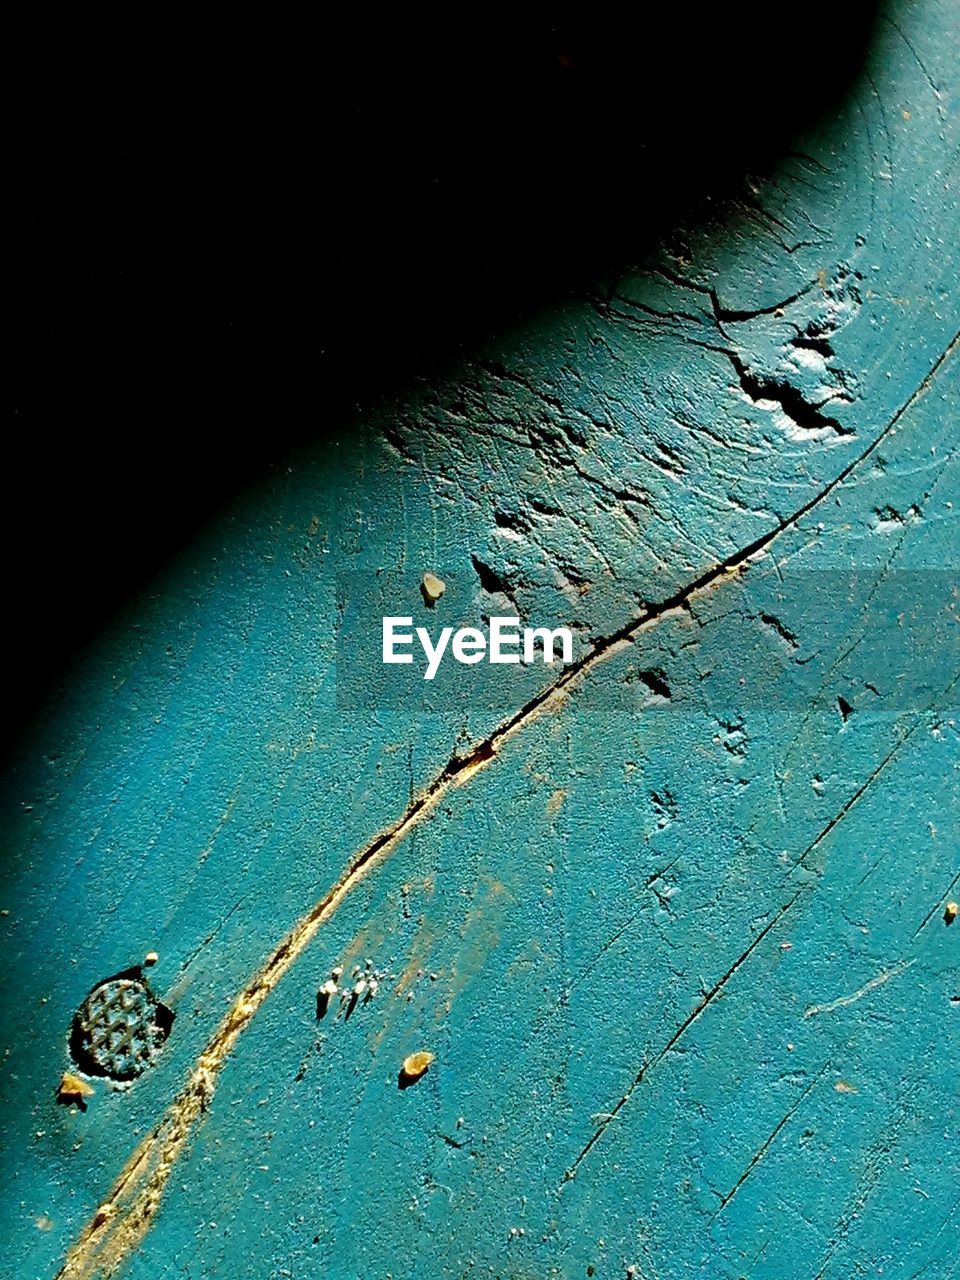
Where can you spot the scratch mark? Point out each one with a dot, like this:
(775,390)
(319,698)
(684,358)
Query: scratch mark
(871,779)
(765,1146)
(681,1031)
(938,92)
(878,981)
(876,1160)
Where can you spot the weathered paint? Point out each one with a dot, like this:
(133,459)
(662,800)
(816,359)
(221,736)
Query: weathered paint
(674,932)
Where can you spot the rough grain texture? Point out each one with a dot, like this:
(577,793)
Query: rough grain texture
(671,922)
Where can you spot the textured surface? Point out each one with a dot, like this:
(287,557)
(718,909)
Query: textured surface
(674,932)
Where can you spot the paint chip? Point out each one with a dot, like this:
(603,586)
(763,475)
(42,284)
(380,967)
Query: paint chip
(414,1066)
(950,913)
(432,588)
(74,1089)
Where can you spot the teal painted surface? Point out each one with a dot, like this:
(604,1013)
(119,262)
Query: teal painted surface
(681,959)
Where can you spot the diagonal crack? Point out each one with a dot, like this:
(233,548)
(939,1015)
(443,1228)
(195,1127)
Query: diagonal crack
(684,1027)
(768,1143)
(119,1225)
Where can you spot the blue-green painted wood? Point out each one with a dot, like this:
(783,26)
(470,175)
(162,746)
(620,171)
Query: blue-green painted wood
(682,960)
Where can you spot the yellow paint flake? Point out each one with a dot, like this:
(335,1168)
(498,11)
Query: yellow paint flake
(415,1064)
(74,1089)
(433,587)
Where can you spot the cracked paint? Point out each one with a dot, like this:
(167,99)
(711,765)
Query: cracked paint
(614,905)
